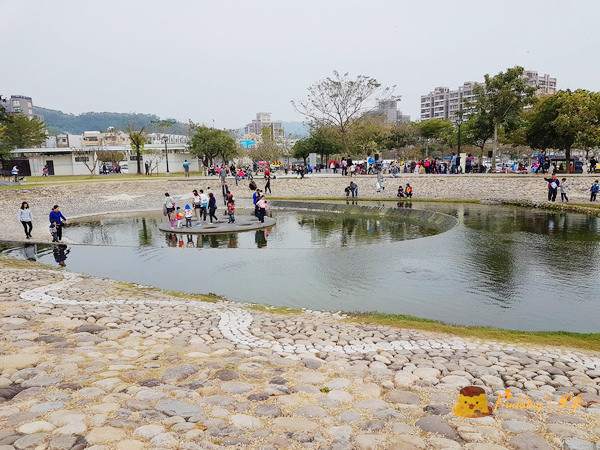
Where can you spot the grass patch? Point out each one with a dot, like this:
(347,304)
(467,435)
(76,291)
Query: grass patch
(134,287)
(284,310)
(15,263)
(589,341)
(581,208)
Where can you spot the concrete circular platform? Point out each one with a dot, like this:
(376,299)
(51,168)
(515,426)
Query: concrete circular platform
(242,223)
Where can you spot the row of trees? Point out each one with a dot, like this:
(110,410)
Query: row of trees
(506,111)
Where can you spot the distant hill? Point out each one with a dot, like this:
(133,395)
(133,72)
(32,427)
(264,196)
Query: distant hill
(60,122)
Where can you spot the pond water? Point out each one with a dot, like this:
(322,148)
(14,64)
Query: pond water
(505,267)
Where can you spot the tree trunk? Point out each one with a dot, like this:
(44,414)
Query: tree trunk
(139,162)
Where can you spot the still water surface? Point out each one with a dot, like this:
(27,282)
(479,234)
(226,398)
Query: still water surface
(505,267)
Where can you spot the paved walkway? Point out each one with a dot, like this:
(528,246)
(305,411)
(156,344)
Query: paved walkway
(89,363)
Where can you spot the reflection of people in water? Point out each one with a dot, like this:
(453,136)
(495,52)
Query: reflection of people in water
(30,252)
(171,239)
(190,241)
(60,254)
(260,238)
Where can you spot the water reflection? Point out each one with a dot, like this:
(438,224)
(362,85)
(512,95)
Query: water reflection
(60,253)
(505,267)
(30,252)
(293,230)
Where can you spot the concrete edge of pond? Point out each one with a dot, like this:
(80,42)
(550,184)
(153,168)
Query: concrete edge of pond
(437,220)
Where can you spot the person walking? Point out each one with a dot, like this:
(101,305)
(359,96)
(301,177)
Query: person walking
(231,211)
(147,167)
(57,217)
(553,185)
(594,191)
(379,184)
(188,216)
(197,204)
(262,208)
(268,183)
(186,168)
(563,191)
(15,172)
(26,219)
(169,204)
(212,207)
(225,190)
(203,205)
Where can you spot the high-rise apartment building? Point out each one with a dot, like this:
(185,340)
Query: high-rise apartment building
(263,120)
(389,109)
(443,103)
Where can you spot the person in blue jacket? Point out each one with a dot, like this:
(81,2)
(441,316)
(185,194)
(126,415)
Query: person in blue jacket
(553,185)
(57,216)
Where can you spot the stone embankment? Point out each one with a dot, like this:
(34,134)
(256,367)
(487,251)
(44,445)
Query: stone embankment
(77,199)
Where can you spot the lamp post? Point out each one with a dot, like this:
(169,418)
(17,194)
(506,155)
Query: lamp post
(165,140)
(459,122)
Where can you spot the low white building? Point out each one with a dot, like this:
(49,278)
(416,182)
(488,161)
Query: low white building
(72,161)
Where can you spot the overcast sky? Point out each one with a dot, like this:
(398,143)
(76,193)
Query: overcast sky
(226,60)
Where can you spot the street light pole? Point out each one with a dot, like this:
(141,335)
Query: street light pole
(459,122)
(166,139)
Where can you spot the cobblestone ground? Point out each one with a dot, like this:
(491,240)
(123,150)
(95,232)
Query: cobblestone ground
(91,363)
(88,363)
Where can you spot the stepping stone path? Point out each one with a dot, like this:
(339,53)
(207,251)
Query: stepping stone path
(90,363)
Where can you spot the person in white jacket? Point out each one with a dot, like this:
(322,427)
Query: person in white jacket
(26,218)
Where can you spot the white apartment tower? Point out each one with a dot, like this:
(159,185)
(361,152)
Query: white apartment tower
(443,103)
(263,120)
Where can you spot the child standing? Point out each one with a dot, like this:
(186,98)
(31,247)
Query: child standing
(563,191)
(178,216)
(188,216)
(53,231)
(231,211)
(594,190)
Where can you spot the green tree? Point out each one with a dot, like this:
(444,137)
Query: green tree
(22,132)
(437,130)
(324,143)
(501,98)
(210,143)
(564,119)
(369,134)
(477,131)
(336,102)
(137,140)
(400,136)
(302,149)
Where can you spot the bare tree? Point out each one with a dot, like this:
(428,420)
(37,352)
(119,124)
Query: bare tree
(336,102)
